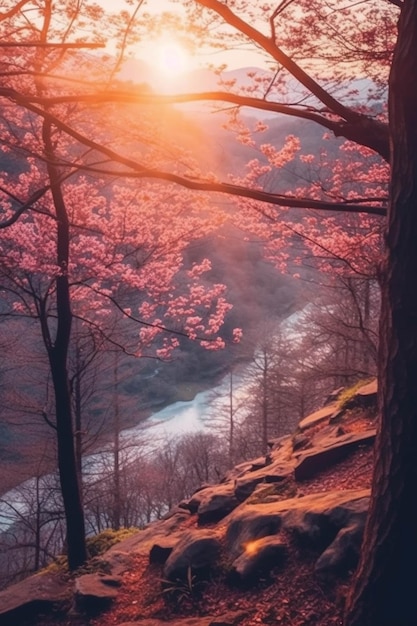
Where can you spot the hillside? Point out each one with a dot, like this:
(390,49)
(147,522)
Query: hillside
(274,543)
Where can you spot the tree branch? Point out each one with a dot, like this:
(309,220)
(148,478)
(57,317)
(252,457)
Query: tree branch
(13,11)
(24,206)
(365,130)
(194,184)
(269,45)
(49,44)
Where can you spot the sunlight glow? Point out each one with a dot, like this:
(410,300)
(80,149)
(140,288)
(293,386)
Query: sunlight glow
(251,547)
(172,58)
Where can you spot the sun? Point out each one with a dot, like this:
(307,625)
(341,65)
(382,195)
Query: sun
(173,59)
(169,62)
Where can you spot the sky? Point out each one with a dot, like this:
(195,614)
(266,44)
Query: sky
(168,56)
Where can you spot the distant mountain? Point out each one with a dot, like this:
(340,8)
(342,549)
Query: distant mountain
(140,71)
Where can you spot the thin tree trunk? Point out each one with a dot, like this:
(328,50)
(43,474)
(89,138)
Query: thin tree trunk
(78,413)
(116,449)
(384,593)
(265,374)
(231,421)
(366,324)
(38,514)
(58,353)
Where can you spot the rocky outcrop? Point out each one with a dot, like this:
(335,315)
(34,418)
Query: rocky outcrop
(213,503)
(245,526)
(331,451)
(321,415)
(42,592)
(316,520)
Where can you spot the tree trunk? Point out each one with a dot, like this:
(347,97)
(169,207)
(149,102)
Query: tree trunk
(76,392)
(265,372)
(384,589)
(116,448)
(38,517)
(231,421)
(58,353)
(68,473)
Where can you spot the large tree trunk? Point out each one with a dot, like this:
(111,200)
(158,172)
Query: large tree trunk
(384,593)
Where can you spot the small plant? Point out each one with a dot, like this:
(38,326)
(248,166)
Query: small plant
(181,589)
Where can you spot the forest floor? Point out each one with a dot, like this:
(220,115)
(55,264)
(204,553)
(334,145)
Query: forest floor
(291,596)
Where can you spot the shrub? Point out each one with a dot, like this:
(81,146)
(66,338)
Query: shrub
(106,539)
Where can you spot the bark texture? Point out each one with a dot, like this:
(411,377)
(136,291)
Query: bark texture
(384,593)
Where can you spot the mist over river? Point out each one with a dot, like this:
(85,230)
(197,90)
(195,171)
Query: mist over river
(174,420)
(177,419)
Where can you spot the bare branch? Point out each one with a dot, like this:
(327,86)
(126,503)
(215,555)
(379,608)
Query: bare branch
(12,12)
(49,44)
(24,206)
(276,53)
(365,130)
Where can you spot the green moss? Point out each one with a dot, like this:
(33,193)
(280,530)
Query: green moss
(106,539)
(59,565)
(97,545)
(347,395)
(272,492)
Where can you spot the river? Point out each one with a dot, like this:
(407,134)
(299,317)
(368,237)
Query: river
(176,419)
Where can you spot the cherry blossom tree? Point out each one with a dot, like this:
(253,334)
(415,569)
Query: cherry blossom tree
(73,246)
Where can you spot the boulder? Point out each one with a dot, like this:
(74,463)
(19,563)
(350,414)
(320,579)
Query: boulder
(161,551)
(334,523)
(236,471)
(275,472)
(94,592)
(172,520)
(314,519)
(332,450)
(343,553)
(301,442)
(41,592)
(254,522)
(272,492)
(281,443)
(258,558)
(333,396)
(246,485)
(321,415)
(197,550)
(213,503)
(369,391)
(119,557)
(317,518)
